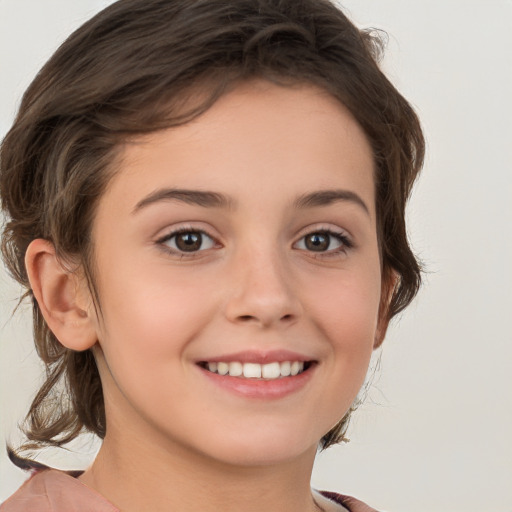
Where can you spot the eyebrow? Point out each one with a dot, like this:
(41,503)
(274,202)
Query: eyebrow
(209,199)
(327,197)
(195,197)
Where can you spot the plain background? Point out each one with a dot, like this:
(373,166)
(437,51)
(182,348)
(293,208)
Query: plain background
(435,433)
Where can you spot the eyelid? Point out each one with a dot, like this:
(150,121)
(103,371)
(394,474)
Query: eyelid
(325,228)
(335,231)
(173,232)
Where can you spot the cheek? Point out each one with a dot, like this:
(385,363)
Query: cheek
(346,308)
(345,311)
(149,321)
(154,311)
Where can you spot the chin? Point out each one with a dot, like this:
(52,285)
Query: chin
(263,448)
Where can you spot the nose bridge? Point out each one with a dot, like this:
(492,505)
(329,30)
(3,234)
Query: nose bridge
(262,291)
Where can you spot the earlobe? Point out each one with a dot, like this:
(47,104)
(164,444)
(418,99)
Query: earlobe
(389,283)
(60,295)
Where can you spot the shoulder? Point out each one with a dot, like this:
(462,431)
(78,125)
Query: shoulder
(350,503)
(55,491)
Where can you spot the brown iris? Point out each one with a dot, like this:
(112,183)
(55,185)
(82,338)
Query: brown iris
(317,241)
(189,241)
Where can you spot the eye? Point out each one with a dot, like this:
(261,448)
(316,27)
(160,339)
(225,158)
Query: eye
(324,241)
(187,241)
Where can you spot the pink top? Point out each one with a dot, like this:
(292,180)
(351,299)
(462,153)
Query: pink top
(56,491)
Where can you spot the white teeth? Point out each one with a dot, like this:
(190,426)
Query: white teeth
(222,368)
(252,371)
(296,368)
(286,368)
(269,371)
(235,369)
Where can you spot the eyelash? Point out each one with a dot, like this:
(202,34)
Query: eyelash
(184,254)
(346,243)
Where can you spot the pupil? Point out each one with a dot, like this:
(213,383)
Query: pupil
(317,242)
(189,241)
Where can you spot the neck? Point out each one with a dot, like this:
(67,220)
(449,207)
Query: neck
(147,476)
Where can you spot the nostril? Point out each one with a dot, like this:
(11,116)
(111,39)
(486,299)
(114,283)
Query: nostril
(248,318)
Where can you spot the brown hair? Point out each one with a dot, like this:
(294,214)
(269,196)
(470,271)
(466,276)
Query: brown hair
(144,65)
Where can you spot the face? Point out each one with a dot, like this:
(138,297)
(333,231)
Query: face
(239,277)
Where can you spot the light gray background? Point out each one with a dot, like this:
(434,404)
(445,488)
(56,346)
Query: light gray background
(435,434)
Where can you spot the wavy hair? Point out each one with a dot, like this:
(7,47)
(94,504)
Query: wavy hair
(146,65)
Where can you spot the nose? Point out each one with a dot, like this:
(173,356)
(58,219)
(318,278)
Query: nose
(262,292)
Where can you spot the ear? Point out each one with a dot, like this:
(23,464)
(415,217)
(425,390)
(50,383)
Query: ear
(62,296)
(389,281)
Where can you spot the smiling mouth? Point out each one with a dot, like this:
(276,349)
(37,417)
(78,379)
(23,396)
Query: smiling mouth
(269,371)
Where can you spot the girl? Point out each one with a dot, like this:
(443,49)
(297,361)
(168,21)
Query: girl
(205,203)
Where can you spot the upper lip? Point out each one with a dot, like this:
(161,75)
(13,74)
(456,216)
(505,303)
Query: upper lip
(258,356)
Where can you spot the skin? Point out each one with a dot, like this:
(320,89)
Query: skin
(176,441)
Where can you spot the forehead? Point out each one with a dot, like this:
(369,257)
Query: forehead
(259,136)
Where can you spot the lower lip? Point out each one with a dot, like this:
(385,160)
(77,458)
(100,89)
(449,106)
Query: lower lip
(260,388)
